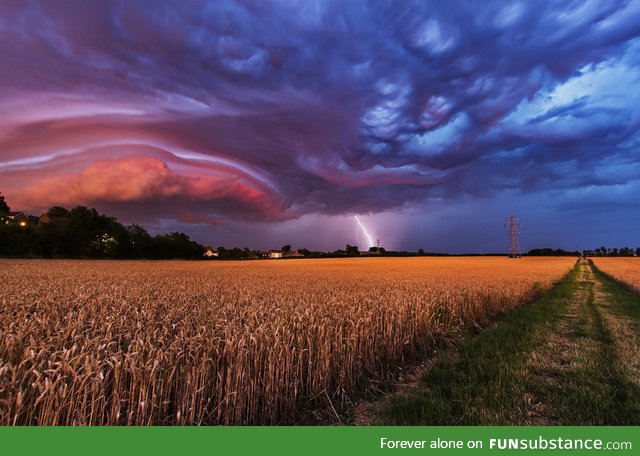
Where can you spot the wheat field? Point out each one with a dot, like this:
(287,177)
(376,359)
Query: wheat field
(624,269)
(253,342)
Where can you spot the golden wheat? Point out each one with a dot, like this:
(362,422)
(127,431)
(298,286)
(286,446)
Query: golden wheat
(624,269)
(92,343)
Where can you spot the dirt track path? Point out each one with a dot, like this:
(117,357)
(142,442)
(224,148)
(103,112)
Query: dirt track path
(588,372)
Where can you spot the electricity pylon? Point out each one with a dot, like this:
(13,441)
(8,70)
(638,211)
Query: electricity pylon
(512,225)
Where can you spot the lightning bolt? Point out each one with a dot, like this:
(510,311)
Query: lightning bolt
(364,230)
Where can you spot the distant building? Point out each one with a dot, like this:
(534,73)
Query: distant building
(275,253)
(12,215)
(19,218)
(210,253)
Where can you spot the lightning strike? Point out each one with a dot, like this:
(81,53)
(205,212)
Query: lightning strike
(364,230)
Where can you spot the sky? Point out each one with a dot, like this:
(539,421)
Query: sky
(263,123)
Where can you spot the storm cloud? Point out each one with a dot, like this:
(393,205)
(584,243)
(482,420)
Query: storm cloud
(252,111)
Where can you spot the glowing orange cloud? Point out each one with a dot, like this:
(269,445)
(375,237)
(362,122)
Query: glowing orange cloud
(140,179)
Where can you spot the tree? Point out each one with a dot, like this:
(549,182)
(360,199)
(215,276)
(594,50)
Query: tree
(4,207)
(140,241)
(57,212)
(84,233)
(176,245)
(286,248)
(352,250)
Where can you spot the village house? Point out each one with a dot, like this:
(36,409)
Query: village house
(19,218)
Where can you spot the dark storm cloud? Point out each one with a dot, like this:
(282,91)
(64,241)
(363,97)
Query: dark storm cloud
(265,111)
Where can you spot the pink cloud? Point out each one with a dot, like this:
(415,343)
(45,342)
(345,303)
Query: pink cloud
(149,180)
(115,180)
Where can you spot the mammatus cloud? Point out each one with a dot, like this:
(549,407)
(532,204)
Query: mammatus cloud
(210,112)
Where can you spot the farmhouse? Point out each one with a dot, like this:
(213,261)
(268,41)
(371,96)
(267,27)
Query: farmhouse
(275,253)
(19,218)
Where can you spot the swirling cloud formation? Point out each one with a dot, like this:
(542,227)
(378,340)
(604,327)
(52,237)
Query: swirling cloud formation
(253,111)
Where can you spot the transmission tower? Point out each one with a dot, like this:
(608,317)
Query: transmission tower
(512,225)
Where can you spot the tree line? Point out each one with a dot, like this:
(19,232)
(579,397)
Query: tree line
(600,251)
(615,251)
(82,232)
